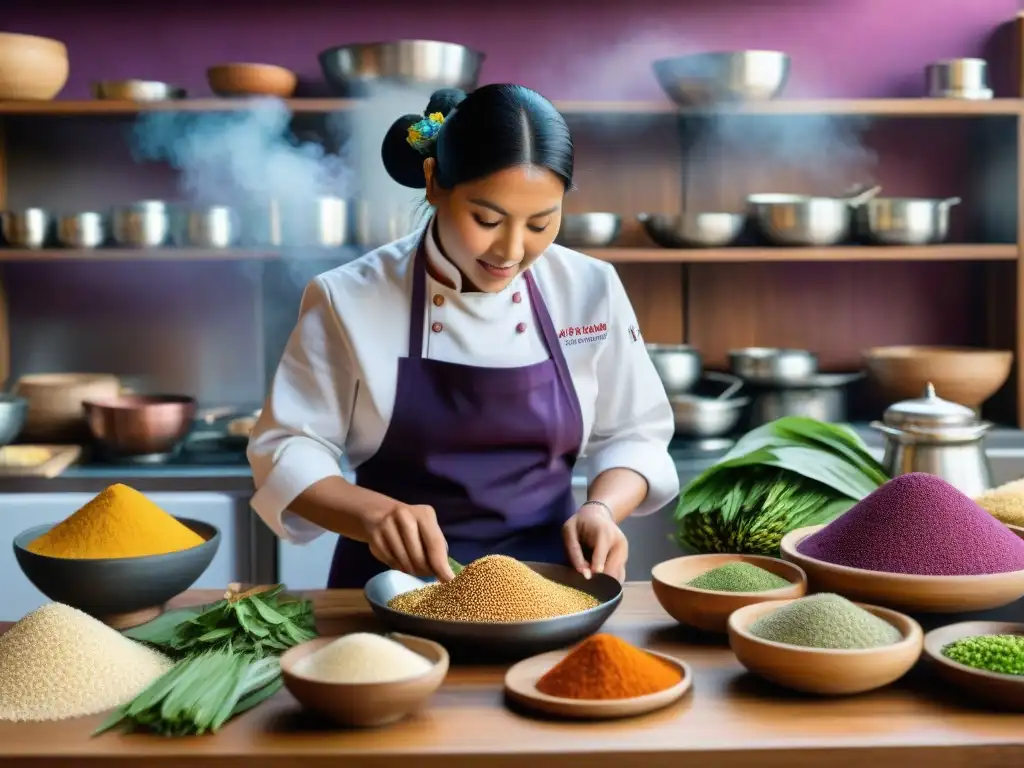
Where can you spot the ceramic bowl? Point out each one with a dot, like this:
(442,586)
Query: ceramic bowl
(996,690)
(521,688)
(707,609)
(365,705)
(123,591)
(917,594)
(819,670)
(960,374)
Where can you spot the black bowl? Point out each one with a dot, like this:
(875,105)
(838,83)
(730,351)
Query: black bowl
(115,587)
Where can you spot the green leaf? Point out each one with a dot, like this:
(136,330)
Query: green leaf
(456,568)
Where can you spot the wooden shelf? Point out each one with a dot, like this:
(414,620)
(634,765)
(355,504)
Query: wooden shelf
(946,252)
(868,107)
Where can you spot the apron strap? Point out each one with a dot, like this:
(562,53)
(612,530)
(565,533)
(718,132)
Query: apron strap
(417,307)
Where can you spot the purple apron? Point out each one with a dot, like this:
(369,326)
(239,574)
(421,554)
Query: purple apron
(490,449)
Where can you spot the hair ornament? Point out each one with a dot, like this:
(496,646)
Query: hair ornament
(422,135)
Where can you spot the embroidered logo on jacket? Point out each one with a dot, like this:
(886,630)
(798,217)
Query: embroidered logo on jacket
(583,334)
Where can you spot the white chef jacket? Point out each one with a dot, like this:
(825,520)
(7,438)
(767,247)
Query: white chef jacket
(334,390)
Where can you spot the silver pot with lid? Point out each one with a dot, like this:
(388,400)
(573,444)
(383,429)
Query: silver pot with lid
(939,437)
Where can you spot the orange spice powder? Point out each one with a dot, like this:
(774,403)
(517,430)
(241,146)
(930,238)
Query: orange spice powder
(605,667)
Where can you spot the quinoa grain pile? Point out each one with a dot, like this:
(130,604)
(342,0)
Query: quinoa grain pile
(494,589)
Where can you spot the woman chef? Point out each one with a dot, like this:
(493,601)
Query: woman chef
(465,368)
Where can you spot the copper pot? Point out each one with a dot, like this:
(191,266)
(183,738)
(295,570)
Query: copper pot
(139,425)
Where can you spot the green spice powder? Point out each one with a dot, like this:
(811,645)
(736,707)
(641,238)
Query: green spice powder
(992,653)
(738,577)
(825,621)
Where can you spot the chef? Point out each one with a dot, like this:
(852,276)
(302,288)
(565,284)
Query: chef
(464,369)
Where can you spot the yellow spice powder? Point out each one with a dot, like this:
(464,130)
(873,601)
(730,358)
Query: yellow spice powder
(1005,503)
(119,522)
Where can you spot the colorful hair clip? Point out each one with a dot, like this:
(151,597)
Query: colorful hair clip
(422,135)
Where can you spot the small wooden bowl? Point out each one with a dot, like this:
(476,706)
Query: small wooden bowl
(916,594)
(365,705)
(251,80)
(709,609)
(999,691)
(962,374)
(822,670)
(521,687)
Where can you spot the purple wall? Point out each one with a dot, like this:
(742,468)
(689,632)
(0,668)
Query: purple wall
(567,49)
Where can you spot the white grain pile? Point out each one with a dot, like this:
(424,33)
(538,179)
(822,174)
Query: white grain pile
(58,662)
(363,658)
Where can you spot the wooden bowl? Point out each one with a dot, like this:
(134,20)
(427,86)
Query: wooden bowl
(961,374)
(521,688)
(251,80)
(916,594)
(31,68)
(55,411)
(365,705)
(992,688)
(709,609)
(823,670)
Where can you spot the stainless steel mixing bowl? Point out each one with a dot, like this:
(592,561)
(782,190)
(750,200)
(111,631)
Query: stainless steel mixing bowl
(136,90)
(704,417)
(678,366)
(27,228)
(215,226)
(769,365)
(13,411)
(710,78)
(589,230)
(905,220)
(354,69)
(700,229)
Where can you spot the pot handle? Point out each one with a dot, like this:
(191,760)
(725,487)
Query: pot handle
(885,429)
(863,197)
(949,202)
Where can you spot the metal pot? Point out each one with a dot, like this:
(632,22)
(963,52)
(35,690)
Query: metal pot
(27,228)
(589,230)
(82,230)
(938,437)
(821,396)
(678,366)
(771,366)
(905,220)
(958,79)
(322,222)
(802,220)
(215,226)
(704,417)
(377,224)
(700,229)
(145,224)
(353,70)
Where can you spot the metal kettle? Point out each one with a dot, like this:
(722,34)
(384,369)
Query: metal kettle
(939,437)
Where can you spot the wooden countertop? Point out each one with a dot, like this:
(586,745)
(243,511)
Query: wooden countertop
(728,721)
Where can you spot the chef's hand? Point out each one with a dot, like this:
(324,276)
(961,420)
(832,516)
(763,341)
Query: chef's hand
(592,529)
(408,538)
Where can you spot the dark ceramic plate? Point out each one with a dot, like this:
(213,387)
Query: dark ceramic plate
(123,585)
(523,638)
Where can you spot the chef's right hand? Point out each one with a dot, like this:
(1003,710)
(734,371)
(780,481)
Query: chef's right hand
(408,538)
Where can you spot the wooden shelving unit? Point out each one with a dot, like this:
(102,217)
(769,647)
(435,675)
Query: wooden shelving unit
(856,253)
(923,107)
(710,297)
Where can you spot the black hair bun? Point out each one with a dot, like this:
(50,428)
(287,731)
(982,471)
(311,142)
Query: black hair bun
(404,163)
(444,101)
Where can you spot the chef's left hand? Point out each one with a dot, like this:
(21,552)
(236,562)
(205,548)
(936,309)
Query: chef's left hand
(593,530)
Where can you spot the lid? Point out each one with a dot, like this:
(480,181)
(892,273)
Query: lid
(929,412)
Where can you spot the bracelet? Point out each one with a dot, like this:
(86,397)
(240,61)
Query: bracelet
(602,505)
